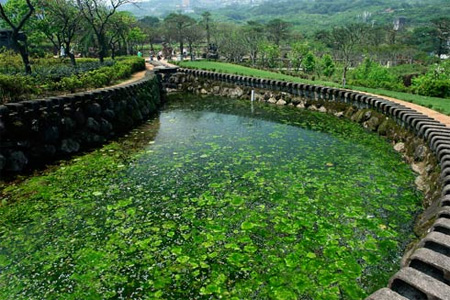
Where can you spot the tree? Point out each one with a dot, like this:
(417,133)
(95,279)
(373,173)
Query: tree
(345,41)
(151,28)
(309,62)
(442,26)
(278,30)
(135,37)
(230,43)
(206,21)
(98,14)
(269,53)
(18,41)
(327,65)
(298,52)
(253,34)
(117,32)
(63,14)
(176,26)
(149,21)
(193,35)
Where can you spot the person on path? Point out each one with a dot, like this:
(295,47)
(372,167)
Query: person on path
(139,54)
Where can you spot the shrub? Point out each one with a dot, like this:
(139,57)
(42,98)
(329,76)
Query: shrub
(373,75)
(328,66)
(309,62)
(435,83)
(15,87)
(51,75)
(71,84)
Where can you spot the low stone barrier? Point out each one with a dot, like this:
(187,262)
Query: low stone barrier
(39,131)
(425,270)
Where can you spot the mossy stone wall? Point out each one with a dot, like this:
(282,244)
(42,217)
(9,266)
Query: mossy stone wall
(40,131)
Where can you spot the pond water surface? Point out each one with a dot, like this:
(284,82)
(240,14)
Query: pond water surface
(214,198)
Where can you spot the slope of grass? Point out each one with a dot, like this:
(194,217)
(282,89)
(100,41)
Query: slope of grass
(439,104)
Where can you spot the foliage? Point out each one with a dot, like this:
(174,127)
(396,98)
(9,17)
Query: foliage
(297,53)
(327,65)
(269,54)
(213,203)
(435,83)
(98,14)
(372,74)
(309,62)
(311,16)
(13,88)
(55,76)
(278,30)
(176,26)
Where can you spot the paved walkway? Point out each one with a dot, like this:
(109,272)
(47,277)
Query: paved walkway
(136,76)
(444,119)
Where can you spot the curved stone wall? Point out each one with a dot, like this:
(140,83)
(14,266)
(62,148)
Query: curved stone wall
(426,272)
(39,131)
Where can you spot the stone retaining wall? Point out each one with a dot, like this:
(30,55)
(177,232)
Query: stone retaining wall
(39,131)
(425,271)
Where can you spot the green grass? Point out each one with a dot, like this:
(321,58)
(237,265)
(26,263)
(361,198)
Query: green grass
(438,104)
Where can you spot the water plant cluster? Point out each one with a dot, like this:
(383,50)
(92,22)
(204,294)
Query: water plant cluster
(214,198)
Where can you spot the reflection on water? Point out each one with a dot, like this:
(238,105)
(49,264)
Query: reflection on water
(226,199)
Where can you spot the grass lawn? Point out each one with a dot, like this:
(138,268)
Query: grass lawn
(438,104)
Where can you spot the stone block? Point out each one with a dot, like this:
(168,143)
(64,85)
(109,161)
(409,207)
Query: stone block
(386,294)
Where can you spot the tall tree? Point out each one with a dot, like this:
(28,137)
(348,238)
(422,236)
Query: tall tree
(118,32)
(442,26)
(19,41)
(98,14)
(151,27)
(64,15)
(194,35)
(176,26)
(206,21)
(345,41)
(278,30)
(253,35)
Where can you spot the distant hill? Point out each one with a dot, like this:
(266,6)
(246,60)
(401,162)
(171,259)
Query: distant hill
(310,15)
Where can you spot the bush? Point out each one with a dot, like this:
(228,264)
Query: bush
(57,75)
(373,75)
(327,65)
(435,83)
(71,84)
(15,87)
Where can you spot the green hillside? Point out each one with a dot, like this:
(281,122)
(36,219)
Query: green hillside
(310,16)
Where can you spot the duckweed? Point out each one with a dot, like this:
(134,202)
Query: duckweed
(214,198)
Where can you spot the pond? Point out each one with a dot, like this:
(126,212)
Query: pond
(213,198)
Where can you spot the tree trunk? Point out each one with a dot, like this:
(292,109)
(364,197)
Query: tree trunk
(181,49)
(70,54)
(24,54)
(103,48)
(344,76)
(190,51)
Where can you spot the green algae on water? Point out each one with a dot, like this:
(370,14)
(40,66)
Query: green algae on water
(214,198)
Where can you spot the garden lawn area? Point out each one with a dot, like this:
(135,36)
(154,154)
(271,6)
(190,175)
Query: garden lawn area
(438,104)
